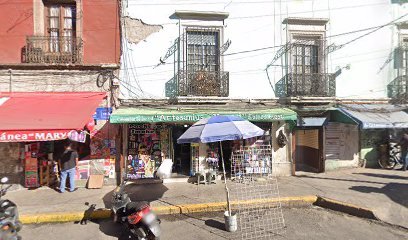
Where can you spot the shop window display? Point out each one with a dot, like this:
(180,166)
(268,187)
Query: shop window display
(40,169)
(97,154)
(148,145)
(213,157)
(204,157)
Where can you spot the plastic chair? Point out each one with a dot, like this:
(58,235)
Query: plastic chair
(203,175)
(211,176)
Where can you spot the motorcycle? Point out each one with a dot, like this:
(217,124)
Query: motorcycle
(10,224)
(138,217)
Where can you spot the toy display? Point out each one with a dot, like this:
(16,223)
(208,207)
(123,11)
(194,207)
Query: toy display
(212,157)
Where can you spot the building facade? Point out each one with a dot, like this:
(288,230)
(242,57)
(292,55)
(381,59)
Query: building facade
(63,47)
(315,57)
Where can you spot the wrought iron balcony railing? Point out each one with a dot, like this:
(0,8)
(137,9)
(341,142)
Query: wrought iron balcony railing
(306,85)
(53,50)
(398,87)
(201,83)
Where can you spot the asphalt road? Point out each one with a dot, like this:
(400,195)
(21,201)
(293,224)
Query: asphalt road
(304,223)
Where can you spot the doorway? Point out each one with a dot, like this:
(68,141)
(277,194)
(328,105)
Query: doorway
(182,153)
(309,150)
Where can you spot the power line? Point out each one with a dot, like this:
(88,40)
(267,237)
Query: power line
(252,50)
(273,47)
(302,12)
(376,29)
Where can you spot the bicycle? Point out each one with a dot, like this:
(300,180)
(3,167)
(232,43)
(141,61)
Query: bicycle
(394,158)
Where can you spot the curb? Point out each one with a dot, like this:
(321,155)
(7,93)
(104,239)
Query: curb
(345,208)
(298,201)
(64,217)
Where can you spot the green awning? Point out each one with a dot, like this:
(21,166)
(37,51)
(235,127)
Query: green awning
(190,115)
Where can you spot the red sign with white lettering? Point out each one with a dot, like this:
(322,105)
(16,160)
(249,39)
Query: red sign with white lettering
(35,135)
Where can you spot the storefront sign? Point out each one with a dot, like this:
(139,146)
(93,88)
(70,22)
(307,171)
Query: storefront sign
(27,136)
(102,113)
(193,117)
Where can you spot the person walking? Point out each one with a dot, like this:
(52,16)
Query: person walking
(68,164)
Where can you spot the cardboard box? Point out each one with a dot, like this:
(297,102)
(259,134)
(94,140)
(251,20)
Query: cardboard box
(95,181)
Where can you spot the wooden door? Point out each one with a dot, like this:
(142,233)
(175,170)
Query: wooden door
(308,151)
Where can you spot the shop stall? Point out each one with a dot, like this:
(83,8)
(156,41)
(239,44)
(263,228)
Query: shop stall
(39,123)
(150,136)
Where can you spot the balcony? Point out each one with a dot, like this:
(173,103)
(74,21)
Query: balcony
(53,50)
(397,89)
(306,85)
(198,84)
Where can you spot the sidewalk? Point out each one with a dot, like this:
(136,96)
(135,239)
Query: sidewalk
(385,192)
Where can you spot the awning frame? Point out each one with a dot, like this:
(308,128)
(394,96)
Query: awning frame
(375,125)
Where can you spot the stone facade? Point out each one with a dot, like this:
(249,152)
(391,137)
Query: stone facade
(50,81)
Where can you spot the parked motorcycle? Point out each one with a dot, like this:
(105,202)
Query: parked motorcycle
(138,217)
(10,225)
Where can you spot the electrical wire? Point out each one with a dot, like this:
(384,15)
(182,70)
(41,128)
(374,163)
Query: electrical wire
(239,17)
(373,31)
(260,49)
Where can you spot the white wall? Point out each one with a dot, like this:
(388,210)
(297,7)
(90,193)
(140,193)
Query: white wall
(281,162)
(257,24)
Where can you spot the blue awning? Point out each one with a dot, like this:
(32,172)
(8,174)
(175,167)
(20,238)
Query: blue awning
(311,121)
(372,116)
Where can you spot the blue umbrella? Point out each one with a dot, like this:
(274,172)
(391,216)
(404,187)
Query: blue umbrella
(220,128)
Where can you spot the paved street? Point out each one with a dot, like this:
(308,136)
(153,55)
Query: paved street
(302,223)
(383,191)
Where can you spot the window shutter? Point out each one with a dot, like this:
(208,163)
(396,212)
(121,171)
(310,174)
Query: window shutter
(398,58)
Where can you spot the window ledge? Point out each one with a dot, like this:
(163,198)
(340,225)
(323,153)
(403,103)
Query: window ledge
(42,66)
(200,15)
(306,21)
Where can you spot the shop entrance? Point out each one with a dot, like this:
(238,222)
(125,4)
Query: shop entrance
(309,150)
(182,153)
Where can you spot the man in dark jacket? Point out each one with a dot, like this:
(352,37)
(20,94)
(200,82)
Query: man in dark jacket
(68,163)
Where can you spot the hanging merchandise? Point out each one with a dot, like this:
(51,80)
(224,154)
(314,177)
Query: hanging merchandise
(77,136)
(31,165)
(281,139)
(165,143)
(90,125)
(145,150)
(212,156)
(195,159)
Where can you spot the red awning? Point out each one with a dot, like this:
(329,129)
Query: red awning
(44,116)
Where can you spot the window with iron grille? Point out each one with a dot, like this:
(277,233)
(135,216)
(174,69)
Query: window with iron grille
(61,27)
(203,49)
(305,58)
